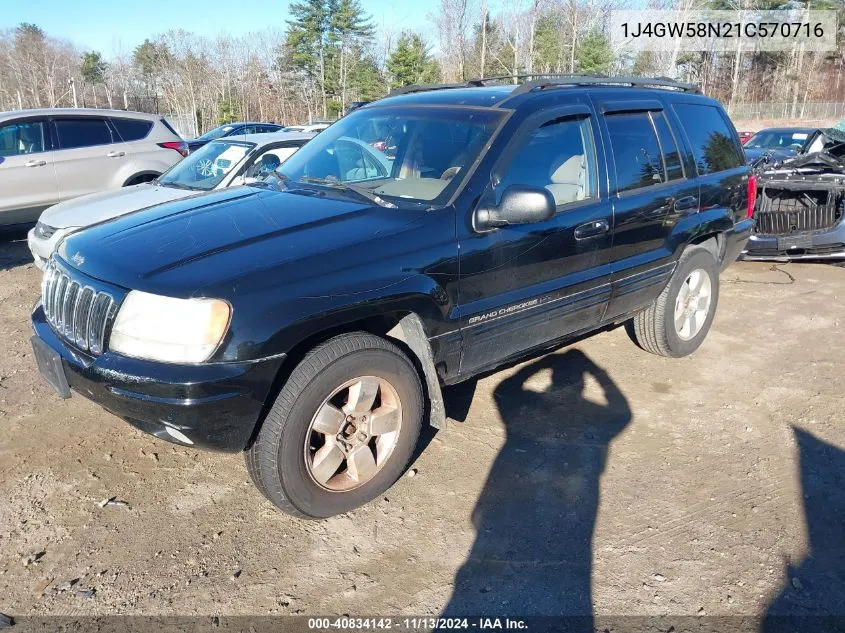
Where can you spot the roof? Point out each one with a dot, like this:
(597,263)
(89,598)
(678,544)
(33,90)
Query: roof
(78,112)
(267,137)
(482,96)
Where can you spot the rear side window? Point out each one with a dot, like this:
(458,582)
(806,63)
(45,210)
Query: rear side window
(87,132)
(713,142)
(132,129)
(21,138)
(671,157)
(636,151)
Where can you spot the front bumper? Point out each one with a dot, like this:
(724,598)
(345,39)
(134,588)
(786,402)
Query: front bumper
(735,241)
(829,244)
(214,405)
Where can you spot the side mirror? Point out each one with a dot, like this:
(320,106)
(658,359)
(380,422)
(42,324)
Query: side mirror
(519,205)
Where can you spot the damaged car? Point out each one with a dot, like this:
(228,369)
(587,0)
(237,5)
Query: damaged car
(800,203)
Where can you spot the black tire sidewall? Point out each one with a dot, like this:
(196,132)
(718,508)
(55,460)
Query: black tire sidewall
(699,258)
(298,486)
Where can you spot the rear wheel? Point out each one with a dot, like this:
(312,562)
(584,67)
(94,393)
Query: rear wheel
(341,430)
(678,321)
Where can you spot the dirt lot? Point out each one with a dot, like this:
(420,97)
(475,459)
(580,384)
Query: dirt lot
(599,477)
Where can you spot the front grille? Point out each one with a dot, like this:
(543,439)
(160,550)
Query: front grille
(77,312)
(784,212)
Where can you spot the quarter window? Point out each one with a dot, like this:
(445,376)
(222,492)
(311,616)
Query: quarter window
(714,145)
(557,156)
(21,138)
(636,151)
(132,129)
(87,132)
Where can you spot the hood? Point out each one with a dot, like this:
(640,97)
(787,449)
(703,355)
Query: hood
(216,239)
(752,154)
(98,207)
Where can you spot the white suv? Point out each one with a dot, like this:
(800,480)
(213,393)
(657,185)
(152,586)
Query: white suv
(51,155)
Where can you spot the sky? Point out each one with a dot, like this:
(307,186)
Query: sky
(120,25)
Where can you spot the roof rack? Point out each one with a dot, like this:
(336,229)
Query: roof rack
(555,81)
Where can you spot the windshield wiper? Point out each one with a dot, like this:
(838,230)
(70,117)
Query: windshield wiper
(177,185)
(345,186)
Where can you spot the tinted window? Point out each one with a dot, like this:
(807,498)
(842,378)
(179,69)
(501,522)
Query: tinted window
(21,138)
(713,142)
(132,129)
(636,151)
(82,132)
(268,128)
(559,157)
(671,157)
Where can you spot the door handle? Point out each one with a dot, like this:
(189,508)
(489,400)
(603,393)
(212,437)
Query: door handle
(686,203)
(592,229)
(116,154)
(35,163)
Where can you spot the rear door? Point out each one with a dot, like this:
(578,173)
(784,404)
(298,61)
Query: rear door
(653,191)
(525,285)
(87,155)
(27,175)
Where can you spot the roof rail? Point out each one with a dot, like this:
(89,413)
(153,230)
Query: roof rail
(601,80)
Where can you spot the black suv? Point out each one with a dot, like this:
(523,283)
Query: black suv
(313,319)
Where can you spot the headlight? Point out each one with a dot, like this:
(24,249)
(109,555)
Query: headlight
(168,329)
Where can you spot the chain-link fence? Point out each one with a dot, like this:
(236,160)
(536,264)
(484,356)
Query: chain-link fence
(787,110)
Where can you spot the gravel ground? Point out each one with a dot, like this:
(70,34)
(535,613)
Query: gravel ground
(597,478)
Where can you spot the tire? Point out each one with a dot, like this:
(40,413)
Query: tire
(284,460)
(654,329)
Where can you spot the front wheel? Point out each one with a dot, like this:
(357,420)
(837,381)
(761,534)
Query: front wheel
(342,429)
(677,323)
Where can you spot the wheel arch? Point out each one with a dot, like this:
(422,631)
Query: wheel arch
(140,177)
(403,327)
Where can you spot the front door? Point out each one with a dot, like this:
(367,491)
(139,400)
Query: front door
(525,285)
(27,176)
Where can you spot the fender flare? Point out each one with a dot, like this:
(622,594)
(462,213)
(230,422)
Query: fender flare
(410,331)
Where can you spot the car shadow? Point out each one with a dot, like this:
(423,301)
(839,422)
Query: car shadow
(14,251)
(813,595)
(535,516)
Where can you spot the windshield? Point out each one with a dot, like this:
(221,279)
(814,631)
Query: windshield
(217,132)
(204,169)
(410,154)
(778,139)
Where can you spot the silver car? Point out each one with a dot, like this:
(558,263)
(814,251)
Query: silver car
(226,162)
(51,155)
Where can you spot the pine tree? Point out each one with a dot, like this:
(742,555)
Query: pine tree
(411,62)
(594,54)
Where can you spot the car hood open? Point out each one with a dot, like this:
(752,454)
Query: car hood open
(98,207)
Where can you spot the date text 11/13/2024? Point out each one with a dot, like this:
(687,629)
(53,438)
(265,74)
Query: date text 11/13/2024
(416,623)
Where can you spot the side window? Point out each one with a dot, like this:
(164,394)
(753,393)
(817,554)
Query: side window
(671,157)
(354,164)
(80,132)
(269,128)
(713,143)
(558,156)
(269,161)
(21,138)
(636,151)
(249,129)
(132,129)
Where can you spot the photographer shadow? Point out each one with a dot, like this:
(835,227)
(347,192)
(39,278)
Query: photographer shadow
(535,516)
